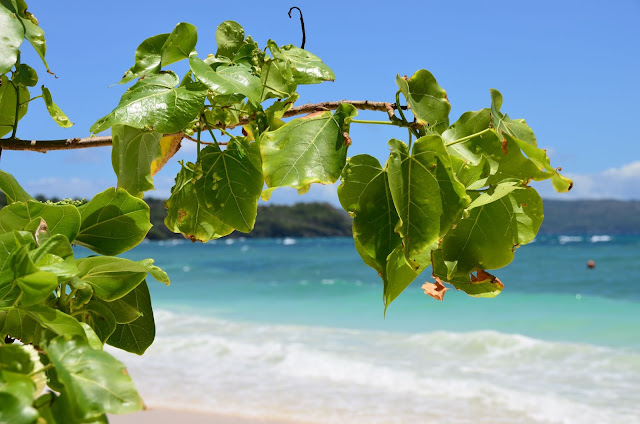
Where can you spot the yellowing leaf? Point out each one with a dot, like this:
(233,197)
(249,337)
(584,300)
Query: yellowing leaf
(169,146)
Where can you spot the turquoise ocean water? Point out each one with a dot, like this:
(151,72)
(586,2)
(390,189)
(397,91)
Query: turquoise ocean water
(294,328)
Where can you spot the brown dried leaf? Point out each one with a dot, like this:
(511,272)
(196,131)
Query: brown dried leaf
(435,290)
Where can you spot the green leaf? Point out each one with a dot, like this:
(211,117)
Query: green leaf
(277,75)
(133,153)
(276,111)
(96,381)
(365,194)
(516,131)
(99,317)
(32,32)
(504,125)
(26,75)
(61,410)
(61,219)
(482,158)
(539,158)
(137,335)
(307,67)
(123,312)
(229,37)
(427,100)
(55,320)
(11,37)
(181,43)
(9,244)
(8,104)
(162,50)
(155,271)
(113,222)
(228,79)
(56,113)
(14,358)
(188,212)
(19,325)
(14,410)
(111,277)
(232,185)
(425,192)
(399,273)
(155,104)
(148,58)
(55,255)
(488,237)
(36,287)
(12,190)
(307,150)
(495,193)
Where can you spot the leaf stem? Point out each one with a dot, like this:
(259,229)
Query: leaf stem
(469,137)
(204,118)
(15,87)
(33,98)
(363,121)
(15,122)
(39,370)
(404,118)
(199,132)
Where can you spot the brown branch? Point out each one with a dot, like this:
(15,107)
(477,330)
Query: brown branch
(46,145)
(82,143)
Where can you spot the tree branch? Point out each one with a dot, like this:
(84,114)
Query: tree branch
(82,143)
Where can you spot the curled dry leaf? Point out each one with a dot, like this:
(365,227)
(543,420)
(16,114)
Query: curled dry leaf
(435,290)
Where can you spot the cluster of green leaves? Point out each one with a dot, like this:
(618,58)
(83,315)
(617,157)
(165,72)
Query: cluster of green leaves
(16,77)
(62,309)
(219,192)
(456,199)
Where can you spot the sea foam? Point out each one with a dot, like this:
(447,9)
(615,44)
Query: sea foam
(330,375)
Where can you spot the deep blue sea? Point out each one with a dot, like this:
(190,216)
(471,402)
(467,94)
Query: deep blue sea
(294,328)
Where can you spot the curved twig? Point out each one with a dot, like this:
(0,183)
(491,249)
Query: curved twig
(304,34)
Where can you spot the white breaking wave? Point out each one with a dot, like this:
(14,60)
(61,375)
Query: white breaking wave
(570,239)
(600,239)
(328,375)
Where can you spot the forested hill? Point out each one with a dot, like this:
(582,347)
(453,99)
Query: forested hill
(299,220)
(324,220)
(591,217)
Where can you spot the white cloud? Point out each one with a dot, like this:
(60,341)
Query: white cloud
(621,183)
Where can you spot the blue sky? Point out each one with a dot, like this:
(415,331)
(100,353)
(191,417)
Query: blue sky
(571,69)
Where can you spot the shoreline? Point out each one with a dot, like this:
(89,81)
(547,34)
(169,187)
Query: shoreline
(155,415)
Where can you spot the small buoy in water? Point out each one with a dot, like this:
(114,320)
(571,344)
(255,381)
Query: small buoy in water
(591,264)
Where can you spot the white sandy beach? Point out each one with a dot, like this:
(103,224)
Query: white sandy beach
(169,416)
